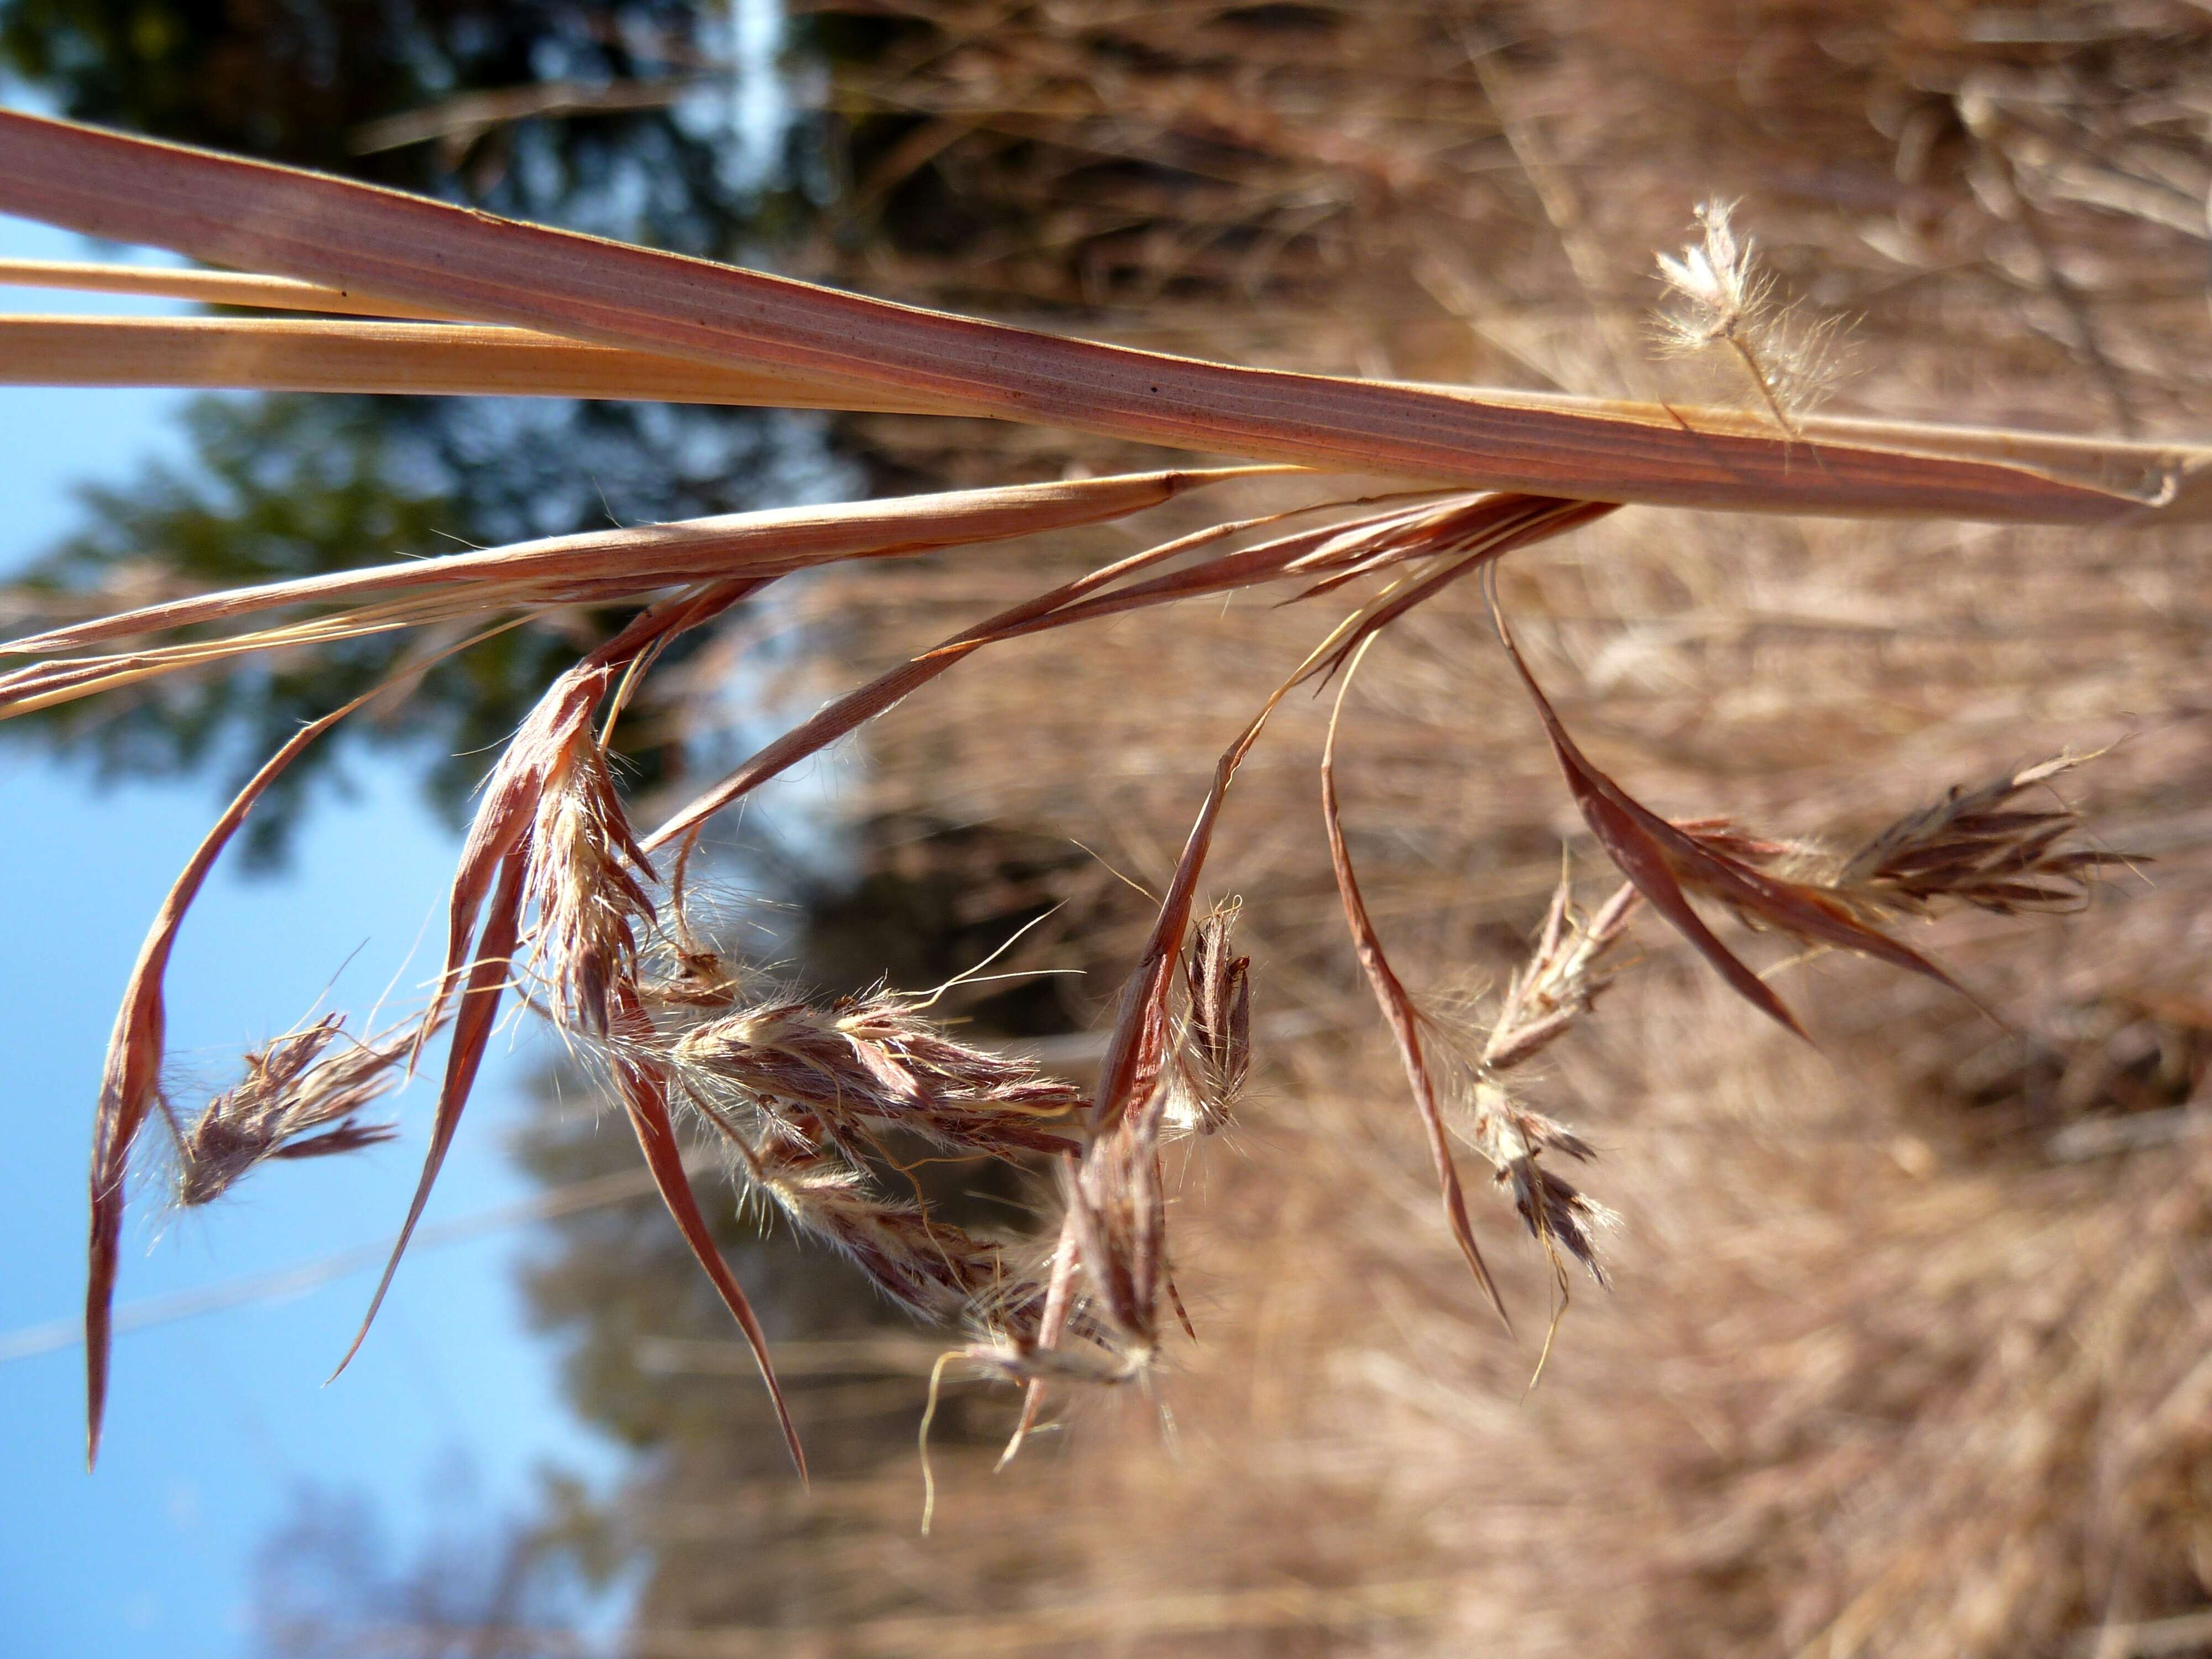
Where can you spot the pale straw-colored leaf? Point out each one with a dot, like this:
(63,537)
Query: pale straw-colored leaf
(426,359)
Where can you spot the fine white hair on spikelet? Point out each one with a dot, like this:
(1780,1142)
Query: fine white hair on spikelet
(1719,297)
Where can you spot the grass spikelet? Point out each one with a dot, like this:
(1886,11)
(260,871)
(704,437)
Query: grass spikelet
(585,877)
(841,1073)
(938,1271)
(1720,298)
(1557,1215)
(1977,847)
(1118,1212)
(1216,1036)
(1562,978)
(295,1102)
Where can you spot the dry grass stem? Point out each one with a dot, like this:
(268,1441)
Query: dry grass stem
(253,217)
(824,1109)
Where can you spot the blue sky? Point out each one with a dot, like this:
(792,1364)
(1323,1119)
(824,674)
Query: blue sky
(216,1420)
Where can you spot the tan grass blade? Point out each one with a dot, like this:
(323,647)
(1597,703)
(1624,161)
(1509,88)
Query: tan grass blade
(254,354)
(291,353)
(282,355)
(605,564)
(253,217)
(608,567)
(212,288)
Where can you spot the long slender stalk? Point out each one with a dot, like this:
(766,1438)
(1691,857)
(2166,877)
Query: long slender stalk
(293,354)
(614,562)
(253,216)
(213,288)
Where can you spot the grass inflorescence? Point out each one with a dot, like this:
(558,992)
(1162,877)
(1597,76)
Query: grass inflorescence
(565,904)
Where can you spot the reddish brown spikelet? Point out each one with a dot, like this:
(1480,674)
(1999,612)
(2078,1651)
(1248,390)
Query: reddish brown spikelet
(1977,847)
(1558,1215)
(1662,860)
(586,881)
(1118,1211)
(936,1271)
(293,1103)
(873,1062)
(1217,1038)
(1562,978)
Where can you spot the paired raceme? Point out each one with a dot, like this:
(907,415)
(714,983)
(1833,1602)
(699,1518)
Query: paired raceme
(939,1272)
(1977,847)
(1217,1030)
(586,880)
(1558,984)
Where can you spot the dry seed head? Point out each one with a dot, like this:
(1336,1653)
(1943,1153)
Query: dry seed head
(688,983)
(1557,1214)
(870,1062)
(1975,848)
(1217,1035)
(289,1091)
(1720,299)
(1119,1211)
(1562,978)
(1718,287)
(941,1272)
(583,881)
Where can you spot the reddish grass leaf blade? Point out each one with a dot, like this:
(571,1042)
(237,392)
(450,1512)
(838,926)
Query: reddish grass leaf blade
(430,255)
(130,1081)
(1640,857)
(1806,912)
(1403,1018)
(1634,850)
(1659,859)
(856,708)
(645,1097)
(472,1024)
(1518,521)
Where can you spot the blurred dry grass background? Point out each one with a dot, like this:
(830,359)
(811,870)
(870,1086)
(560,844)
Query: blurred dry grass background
(1910,1348)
